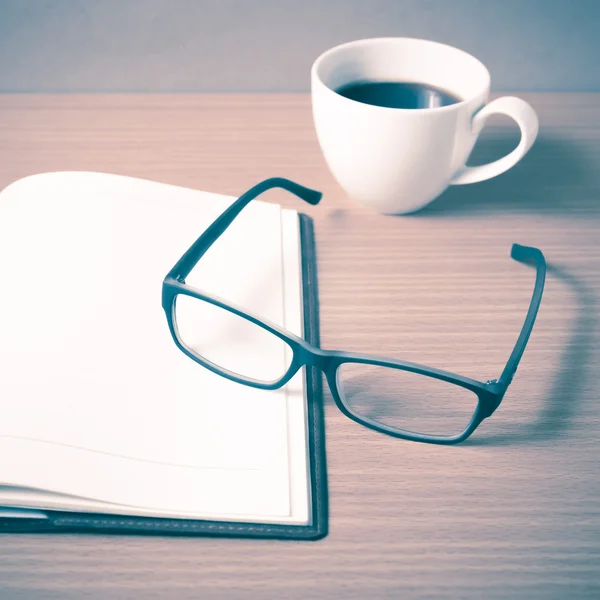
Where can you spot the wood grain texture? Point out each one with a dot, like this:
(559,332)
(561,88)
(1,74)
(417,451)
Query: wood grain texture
(512,513)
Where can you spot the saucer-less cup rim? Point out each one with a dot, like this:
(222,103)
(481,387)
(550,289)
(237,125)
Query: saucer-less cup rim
(334,57)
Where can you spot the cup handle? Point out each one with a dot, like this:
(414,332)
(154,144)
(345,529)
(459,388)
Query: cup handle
(526,119)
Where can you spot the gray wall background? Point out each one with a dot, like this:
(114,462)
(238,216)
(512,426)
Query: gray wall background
(269,45)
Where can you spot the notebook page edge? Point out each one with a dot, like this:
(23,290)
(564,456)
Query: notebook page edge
(300,484)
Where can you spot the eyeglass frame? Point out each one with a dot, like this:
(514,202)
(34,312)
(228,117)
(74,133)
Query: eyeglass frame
(489,394)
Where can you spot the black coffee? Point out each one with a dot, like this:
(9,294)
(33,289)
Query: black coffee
(397,94)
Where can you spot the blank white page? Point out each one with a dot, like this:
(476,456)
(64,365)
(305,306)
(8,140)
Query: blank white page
(97,401)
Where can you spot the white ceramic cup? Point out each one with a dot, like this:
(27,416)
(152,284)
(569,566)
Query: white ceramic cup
(398,160)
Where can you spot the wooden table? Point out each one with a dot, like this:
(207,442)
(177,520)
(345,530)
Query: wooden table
(512,513)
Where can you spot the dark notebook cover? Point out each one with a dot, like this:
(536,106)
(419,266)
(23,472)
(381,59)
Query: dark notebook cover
(62,521)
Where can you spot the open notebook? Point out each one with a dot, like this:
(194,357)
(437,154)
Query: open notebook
(105,423)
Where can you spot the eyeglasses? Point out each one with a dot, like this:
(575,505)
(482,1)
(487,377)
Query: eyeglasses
(398,398)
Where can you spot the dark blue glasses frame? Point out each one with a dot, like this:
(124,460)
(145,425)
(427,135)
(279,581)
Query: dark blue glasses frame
(489,394)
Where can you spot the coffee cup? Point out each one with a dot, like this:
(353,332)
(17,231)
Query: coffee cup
(394,156)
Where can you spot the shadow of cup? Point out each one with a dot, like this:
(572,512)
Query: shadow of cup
(544,182)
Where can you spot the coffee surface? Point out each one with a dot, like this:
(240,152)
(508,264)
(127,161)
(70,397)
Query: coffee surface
(398,94)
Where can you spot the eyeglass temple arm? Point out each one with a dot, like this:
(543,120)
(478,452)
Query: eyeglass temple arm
(525,254)
(189,260)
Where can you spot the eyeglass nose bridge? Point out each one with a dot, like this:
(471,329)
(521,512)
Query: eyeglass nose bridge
(315,357)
